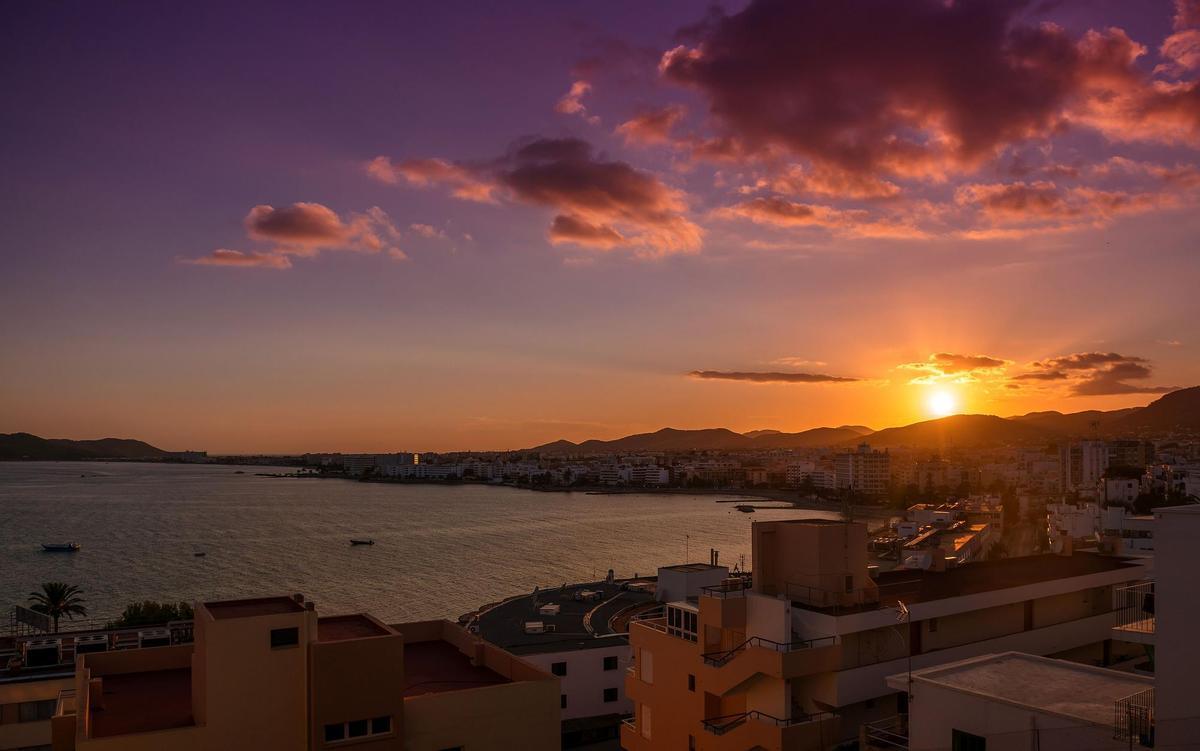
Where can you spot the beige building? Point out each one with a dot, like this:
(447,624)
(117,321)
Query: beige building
(801,660)
(270,673)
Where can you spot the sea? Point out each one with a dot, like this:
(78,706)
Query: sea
(440,550)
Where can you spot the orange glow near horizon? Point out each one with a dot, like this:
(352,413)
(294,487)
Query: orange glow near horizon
(941,403)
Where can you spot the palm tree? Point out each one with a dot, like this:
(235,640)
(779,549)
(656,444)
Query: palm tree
(56,600)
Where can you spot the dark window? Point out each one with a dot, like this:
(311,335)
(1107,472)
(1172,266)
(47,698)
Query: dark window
(691,682)
(452,748)
(610,663)
(356,728)
(559,668)
(849,584)
(285,637)
(381,725)
(691,743)
(610,694)
(36,711)
(960,741)
(562,701)
(335,732)
(933,625)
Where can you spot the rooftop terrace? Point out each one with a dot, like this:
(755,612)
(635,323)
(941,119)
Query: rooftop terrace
(434,667)
(253,608)
(345,627)
(1041,683)
(128,698)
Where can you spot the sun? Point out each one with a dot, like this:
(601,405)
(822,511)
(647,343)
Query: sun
(942,403)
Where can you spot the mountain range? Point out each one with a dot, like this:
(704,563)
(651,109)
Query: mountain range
(28,446)
(1178,411)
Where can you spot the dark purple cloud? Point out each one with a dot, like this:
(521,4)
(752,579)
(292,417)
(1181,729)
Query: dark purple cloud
(769,377)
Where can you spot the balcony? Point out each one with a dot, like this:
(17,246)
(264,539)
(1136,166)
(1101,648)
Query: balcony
(726,670)
(754,729)
(1133,719)
(888,734)
(1135,613)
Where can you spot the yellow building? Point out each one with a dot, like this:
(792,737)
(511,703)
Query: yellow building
(270,673)
(801,661)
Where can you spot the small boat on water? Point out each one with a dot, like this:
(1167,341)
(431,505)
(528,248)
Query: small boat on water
(362,542)
(745,508)
(199,555)
(60,547)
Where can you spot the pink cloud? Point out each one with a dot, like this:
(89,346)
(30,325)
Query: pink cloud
(651,126)
(253,259)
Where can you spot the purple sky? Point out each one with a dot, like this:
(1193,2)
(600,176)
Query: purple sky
(905,191)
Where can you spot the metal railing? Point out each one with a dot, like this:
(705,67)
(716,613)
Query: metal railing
(1135,607)
(719,659)
(727,589)
(883,596)
(723,724)
(1133,718)
(71,643)
(888,733)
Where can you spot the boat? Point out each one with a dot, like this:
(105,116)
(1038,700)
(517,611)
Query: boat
(60,547)
(199,555)
(362,542)
(745,508)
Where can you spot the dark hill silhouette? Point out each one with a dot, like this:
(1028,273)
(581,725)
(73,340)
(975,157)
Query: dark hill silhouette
(960,431)
(28,446)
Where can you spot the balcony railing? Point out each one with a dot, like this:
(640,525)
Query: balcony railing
(727,589)
(719,659)
(1135,608)
(888,734)
(725,723)
(1133,718)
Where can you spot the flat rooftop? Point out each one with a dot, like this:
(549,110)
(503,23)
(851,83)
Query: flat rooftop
(504,624)
(1040,683)
(251,608)
(434,667)
(919,585)
(692,568)
(346,627)
(142,702)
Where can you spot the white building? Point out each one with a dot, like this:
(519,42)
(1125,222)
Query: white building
(863,470)
(687,580)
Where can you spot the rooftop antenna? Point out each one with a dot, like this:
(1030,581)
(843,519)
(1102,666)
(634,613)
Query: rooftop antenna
(687,542)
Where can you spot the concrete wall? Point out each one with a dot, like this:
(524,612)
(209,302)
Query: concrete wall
(14,734)
(937,711)
(1177,606)
(809,554)
(522,715)
(586,679)
(358,679)
(676,585)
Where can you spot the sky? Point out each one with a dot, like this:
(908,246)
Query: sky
(374,226)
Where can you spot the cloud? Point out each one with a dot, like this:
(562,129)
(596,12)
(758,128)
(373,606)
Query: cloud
(921,89)
(253,259)
(465,182)
(826,180)
(652,126)
(769,377)
(571,103)
(1095,373)
(305,229)
(950,367)
(781,212)
(598,202)
(427,231)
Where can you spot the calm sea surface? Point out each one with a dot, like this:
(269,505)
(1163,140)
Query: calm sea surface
(439,552)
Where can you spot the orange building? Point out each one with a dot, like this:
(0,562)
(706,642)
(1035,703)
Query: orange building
(270,673)
(801,660)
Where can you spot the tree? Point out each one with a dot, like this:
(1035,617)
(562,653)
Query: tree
(56,600)
(151,613)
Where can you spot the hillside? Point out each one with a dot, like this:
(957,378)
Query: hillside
(960,431)
(1178,411)
(709,439)
(28,446)
(1075,423)
(814,438)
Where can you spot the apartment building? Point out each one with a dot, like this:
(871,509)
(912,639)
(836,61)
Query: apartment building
(862,470)
(801,660)
(270,673)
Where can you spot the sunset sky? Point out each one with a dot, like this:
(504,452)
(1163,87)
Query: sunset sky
(284,227)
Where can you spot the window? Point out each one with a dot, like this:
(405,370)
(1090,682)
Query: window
(610,695)
(963,741)
(559,668)
(284,637)
(691,682)
(933,625)
(691,743)
(562,701)
(35,711)
(646,665)
(682,623)
(610,662)
(849,583)
(341,731)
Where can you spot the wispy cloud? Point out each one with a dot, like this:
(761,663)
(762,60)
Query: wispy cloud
(769,377)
